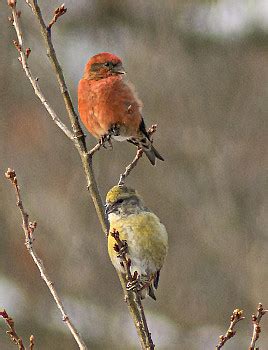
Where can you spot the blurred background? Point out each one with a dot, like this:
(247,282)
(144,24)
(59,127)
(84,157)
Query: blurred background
(201,70)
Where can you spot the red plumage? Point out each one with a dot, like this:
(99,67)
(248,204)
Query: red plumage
(109,106)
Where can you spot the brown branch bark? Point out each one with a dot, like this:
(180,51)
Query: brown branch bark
(236,316)
(60,11)
(32,342)
(12,331)
(28,228)
(121,249)
(256,319)
(23,58)
(134,162)
(78,138)
(130,167)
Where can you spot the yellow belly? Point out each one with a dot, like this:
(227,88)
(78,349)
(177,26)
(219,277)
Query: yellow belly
(146,238)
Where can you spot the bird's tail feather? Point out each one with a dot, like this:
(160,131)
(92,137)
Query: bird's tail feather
(150,286)
(151,152)
(146,145)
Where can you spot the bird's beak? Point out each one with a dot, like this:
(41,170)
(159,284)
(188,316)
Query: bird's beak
(119,69)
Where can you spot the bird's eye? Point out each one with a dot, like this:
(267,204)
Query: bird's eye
(120,201)
(108,64)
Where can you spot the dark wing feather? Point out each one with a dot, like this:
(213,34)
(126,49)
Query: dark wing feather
(156,279)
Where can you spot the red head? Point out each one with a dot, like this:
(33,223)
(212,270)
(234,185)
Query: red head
(103,65)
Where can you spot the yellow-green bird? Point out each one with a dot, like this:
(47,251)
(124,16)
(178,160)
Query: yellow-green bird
(146,236)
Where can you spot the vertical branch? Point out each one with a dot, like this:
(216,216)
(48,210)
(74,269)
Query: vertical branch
(73,117)
(121,250)
(132,298)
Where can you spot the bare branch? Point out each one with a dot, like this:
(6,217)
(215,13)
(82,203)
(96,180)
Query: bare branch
(130,167)
(79,139)
(12,332)
(133,303)
(95,149)
(121,249)
(236,316)
(60,11)
(23,58)
(32,342)
(11,3)
(134,162)
(28,228)
(58,71)
(256,319)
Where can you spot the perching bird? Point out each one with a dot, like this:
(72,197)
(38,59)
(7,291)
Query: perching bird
(145,235)
(109,106)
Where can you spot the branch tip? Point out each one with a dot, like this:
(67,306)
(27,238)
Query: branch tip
(236,316)
(32,342)
(12,3)
(60,11)
(27,52)
(10,174)
(256,319)
(11,330)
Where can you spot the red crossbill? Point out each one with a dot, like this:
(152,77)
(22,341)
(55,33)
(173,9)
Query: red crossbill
(109,106)
(145,235)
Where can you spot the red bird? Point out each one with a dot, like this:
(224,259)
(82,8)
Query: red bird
(109,106)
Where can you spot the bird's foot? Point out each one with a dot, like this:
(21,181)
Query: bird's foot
(135,283)
(104,139)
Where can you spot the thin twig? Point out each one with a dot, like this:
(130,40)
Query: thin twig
(134,162)
(80,144)
(60,11)
(34,81)
(28,228)
(32,342)
(121,249)
(256,319)
(79,139)
(130,167)
(236,316)
(12,332)
(96,148)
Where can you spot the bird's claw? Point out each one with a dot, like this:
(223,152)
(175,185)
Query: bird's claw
(104,139)
(135,284)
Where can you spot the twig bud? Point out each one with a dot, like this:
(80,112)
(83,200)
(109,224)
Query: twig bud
(17,45)
(27,52)
(11,3)
(10,174)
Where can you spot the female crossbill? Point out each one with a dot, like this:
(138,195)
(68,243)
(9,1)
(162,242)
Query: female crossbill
(109,106)
(146,236)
